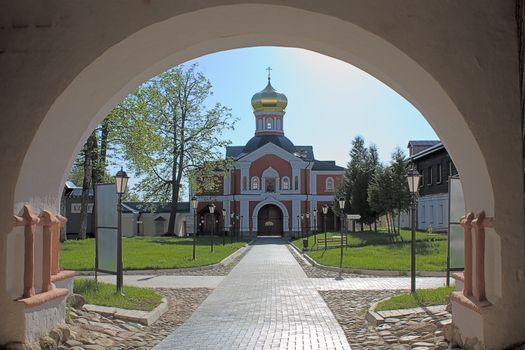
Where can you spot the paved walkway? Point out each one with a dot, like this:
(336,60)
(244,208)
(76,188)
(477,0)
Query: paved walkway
(166,281)
(266,302)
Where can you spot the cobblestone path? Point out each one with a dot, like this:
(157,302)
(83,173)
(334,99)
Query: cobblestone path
(266,302)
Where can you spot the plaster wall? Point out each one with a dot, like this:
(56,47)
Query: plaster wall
(457,62)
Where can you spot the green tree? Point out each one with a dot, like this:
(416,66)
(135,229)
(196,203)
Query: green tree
(90,168)
(400,192)
(168,134)
(360,171)
(388,193)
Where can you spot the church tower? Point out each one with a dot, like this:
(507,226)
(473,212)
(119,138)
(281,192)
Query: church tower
(269,109)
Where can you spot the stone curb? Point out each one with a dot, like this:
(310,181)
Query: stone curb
(143,317)
(223,262)
(369,272)
(376,318)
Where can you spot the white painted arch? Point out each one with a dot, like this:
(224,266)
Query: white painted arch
(255,215)
(148,52)
(457,62)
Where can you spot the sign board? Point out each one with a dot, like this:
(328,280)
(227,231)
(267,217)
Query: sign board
(106,202)
(456,205)
(353,216)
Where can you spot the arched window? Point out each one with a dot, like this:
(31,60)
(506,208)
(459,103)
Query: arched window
(329,184)
(269,123)
(255,183)
(286,184)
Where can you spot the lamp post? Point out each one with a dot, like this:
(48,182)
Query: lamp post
(325,211)
(194,204)
(211,208)
(232,226)
(314,220)
(223,224)
(238,227)
(308,228)
(413,179)
(121,182)
(298,223)
(341,207)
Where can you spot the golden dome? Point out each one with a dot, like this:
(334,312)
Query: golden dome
(269,100)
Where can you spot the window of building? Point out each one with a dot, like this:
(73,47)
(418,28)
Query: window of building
(439,173)
(269,123)
(270,184)
(329,184)
(255,183)
(422,180)
(244,183)
(429,176)
(422,213)
(431,214)
(286,184)
(441,213)
(296,182)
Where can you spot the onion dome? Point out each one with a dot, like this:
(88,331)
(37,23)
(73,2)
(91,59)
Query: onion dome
(269,100)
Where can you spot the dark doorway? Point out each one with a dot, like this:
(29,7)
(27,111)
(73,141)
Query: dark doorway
(206,220)
(270,221)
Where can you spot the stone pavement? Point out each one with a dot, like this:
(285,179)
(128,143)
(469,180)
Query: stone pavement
(166,281)
(266,302)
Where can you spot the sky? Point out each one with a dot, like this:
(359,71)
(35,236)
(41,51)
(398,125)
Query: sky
(329,101)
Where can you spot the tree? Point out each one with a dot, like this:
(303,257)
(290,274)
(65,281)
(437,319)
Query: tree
(90,168)
(388,193)
(400,193)
(87,183)
(168,133)
(360,170)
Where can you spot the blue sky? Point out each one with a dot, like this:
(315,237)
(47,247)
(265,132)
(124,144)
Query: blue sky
(329,101)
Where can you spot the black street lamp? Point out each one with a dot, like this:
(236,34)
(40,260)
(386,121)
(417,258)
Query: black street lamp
(232,226)
(194,204)
(325,211)
(238,227)
(298,224)
(211,208)
(314,221)
(341,207)
(121,182)
(413,179)
(223,224)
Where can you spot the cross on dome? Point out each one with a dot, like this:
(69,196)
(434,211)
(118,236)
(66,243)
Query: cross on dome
(269,69)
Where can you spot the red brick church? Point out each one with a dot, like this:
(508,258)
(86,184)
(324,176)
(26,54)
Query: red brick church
(275,187)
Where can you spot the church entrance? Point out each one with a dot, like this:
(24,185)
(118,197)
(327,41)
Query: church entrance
(270,221)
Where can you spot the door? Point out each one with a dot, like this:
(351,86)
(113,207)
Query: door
(270,221)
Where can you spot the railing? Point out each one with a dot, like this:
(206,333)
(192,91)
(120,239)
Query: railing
(51,225)
(474,293)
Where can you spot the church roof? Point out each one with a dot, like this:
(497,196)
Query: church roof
(326,165)
(278,140)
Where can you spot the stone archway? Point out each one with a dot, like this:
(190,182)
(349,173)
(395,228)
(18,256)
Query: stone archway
(270,220)
(277,204)
(466,86)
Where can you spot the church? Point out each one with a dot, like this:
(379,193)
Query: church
(274,187)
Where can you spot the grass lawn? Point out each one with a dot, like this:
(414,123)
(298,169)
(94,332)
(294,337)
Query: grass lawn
(104,294)
(375,251)
(422,297)
(149,253)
